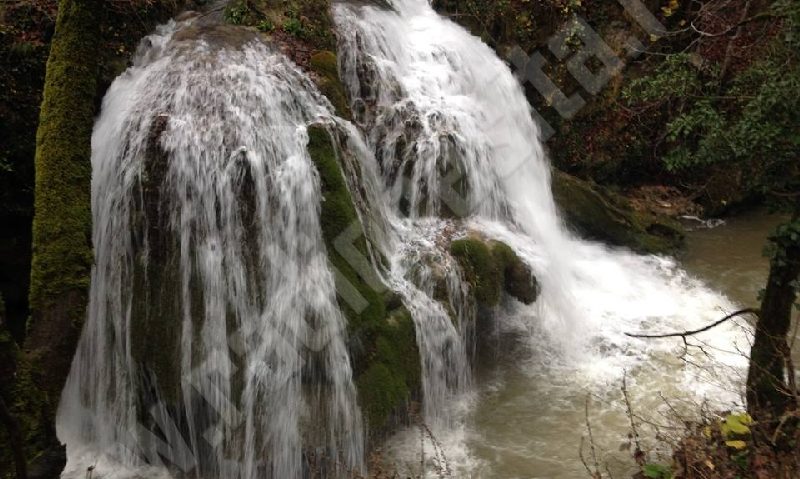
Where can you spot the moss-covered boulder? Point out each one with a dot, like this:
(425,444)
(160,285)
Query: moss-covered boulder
(383,349)
(325,69)
(492,267)
(599,214)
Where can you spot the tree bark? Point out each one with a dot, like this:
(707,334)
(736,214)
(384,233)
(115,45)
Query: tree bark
(768,395)
(62,247)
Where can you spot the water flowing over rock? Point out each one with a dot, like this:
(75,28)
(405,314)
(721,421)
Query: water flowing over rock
(458,152)
(274,286)
(213,324)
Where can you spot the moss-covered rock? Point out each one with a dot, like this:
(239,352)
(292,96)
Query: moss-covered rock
(481,269)
(492,267)
(383,349)
(392,376)
(518,279)
(601,215)
(324,65)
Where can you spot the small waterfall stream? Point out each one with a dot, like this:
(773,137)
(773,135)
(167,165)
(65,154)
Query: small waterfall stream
(200,163)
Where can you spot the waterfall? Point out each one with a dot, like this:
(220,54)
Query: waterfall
(455,142)
(206,213)
(206,208)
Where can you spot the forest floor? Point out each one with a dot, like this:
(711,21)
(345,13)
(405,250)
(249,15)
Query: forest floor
(707,451)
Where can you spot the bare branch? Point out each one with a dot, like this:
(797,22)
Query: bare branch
(686,334)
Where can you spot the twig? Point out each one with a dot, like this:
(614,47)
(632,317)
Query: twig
(583,459)
(685,334)
(637,453)
(596,474)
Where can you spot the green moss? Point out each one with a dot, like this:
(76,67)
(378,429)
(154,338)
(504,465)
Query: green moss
(393,373)
(493,267)
(481,267)
(518,280)
(600,215)
(62,254)
(384,352)
(325,65)
(379,391)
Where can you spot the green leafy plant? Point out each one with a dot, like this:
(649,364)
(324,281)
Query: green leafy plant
(265,26)
(236,13)
(656,471)
(294,26)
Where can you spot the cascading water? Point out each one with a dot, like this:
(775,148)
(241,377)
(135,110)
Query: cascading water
(201,145)
(453,136)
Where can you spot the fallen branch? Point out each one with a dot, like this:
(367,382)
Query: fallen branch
(685,334)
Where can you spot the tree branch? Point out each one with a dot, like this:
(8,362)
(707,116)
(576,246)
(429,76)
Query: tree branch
(685,334)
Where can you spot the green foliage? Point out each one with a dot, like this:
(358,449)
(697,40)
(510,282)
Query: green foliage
(656,471)
(785,237)
(750,121)
(306,20)
(294,26)
(736,425)
(265,26)
(237,13)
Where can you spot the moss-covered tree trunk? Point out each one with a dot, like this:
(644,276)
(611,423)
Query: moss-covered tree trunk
(768,396)
(62,250)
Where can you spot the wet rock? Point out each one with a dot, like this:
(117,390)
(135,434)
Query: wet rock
(492,268)
(600,215)
(383,347)
(49,464)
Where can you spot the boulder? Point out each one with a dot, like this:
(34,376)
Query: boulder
(598,214)
(492,267)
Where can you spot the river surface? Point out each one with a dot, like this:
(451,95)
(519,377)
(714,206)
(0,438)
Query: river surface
(528,415)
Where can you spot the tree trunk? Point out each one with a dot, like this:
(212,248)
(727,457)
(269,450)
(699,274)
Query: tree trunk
(62,249)
(768,396)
